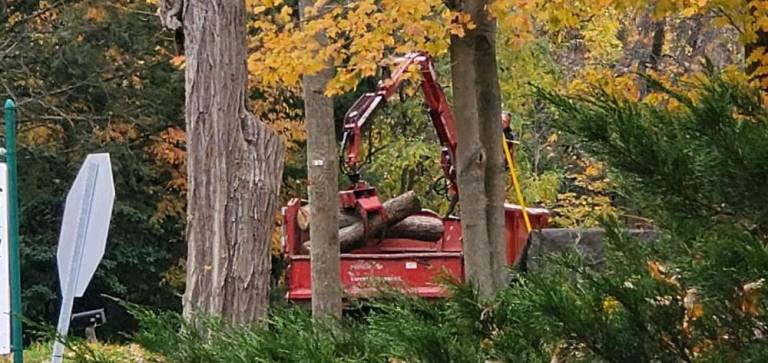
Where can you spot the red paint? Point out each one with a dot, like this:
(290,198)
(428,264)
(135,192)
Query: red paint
(408,264)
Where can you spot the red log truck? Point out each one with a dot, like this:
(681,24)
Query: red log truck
(408,264)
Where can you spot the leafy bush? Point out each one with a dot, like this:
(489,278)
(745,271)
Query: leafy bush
(695,295)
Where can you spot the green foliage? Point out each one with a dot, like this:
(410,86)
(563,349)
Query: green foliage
(94,77)
(694,295)
(401,151)
(706,163)
(621,313)
(699,172)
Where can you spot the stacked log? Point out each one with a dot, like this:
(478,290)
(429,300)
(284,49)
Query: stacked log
(401,222)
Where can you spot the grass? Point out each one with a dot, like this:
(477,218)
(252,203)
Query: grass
(82,352)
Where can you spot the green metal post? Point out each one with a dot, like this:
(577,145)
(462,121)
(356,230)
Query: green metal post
(17,342)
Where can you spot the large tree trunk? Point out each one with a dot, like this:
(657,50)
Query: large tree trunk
(479,154)
(323,168)
(235,165)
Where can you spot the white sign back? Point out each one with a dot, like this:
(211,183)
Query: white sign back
(83,235)
(5,270)
(86,222)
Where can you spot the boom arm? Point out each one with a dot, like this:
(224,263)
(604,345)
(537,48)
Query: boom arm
(439,111)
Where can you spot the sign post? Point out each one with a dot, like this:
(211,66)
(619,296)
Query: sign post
(83,236)
(13,233)
(5,267)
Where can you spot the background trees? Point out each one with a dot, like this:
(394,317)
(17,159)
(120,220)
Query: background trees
(694,294)
(91,76)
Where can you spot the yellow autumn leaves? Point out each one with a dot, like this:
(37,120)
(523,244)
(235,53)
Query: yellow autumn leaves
(358,36)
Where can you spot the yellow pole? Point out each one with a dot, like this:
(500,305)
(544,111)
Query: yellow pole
(515,183)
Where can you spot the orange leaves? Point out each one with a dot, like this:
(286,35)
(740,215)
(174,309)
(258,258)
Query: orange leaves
(119,131)
(275,109)
(693,307)
(47,136)
(168,151)
(458,22)
(749,297)
(95,14)
(660,273)
(179,61)
(168,147)
(169,206)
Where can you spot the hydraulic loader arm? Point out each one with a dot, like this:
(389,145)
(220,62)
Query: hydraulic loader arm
(439,111)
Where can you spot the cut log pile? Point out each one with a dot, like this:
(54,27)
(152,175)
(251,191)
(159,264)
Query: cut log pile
(401,222)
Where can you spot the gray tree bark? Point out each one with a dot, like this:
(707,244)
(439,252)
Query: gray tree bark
(480,168)
(234,165)
(489,115)
(323,168)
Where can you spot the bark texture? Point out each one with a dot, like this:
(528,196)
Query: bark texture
(344,218)
(396,209)
(480,167)
(489,115)
(424,228)
(322,166)
(235,164)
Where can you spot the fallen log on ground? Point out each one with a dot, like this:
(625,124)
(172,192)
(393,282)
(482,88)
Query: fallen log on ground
(400,220)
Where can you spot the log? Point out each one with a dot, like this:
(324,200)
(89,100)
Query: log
(423,228)
(397,209)
(345,218)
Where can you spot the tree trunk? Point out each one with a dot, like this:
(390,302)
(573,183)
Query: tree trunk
(322,165)
(470,165)
(489,115)
(479,155)
(235,165)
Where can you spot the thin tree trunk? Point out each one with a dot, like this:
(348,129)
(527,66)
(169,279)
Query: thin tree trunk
(323,167)
(471,159)
(477,106)
(235,165)
(657,45)
(489,114)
